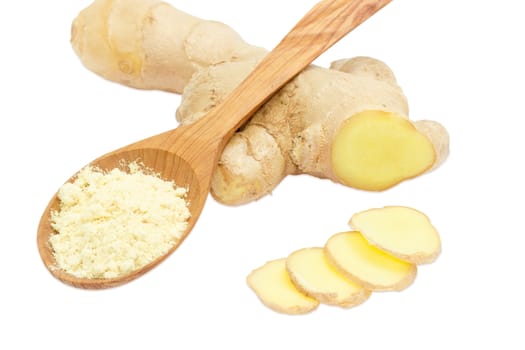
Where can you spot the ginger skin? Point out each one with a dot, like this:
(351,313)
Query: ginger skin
(149,44)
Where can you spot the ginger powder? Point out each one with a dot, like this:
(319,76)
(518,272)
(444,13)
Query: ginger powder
(112,223)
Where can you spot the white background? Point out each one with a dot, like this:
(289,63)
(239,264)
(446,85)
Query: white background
(459,62)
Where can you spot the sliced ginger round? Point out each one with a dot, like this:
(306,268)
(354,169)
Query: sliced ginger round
(272,284)
(313,275)
(401,231)
(367,265)
(375,150)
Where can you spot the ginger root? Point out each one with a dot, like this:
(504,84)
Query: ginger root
(272,284)
(385,256)
(314,276)
(348,123)
(403,232)
(367,265)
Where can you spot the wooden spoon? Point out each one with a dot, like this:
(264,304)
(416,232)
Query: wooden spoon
(189,154)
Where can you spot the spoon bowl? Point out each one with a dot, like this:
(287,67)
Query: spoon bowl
(189,154)
(169,166)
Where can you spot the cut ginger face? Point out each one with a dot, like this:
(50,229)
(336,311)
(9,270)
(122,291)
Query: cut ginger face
(273,286)
(367,265)
(313,275)
(375,150)
(405,233)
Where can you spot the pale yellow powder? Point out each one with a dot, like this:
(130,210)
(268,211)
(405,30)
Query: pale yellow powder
(112,223)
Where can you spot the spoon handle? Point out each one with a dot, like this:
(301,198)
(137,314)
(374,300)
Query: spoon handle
(325,24)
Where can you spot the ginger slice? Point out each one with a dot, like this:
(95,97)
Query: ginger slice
(367,265)
(375,150)
(404,232)
(313,275)
(272,284)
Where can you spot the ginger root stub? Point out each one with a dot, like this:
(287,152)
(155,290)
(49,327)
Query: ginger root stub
(318,124)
